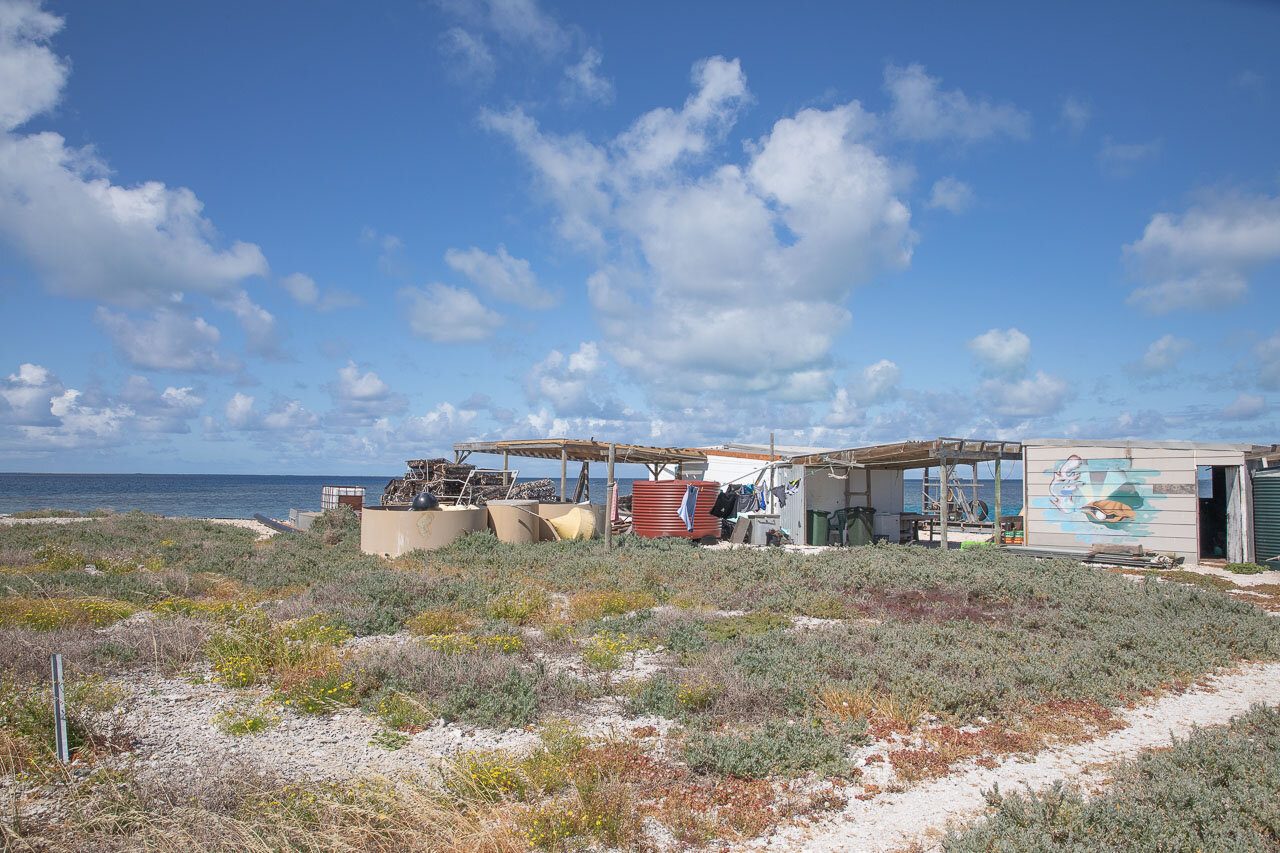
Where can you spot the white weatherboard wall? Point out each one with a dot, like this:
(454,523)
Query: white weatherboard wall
(823,491)
(1132,493)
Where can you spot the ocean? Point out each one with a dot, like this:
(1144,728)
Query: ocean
(243,495)
(195,495)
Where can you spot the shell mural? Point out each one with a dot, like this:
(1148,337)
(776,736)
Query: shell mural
(1108,512)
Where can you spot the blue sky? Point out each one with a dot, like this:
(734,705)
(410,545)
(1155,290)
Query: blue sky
(301,237)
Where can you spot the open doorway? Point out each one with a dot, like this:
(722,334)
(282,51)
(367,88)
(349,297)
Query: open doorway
(1211,488)
(1218,490)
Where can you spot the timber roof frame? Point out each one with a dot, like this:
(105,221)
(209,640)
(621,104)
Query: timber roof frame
(903,455)
(580,450)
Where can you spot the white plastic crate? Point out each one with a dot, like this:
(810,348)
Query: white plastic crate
(329,495)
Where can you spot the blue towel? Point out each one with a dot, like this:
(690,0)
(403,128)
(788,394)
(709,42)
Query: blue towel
(687,506)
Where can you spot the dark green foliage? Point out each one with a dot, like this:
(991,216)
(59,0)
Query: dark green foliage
(779,748)
(658,695)
(1217,790)
(487,690)
(337,526)
(731,628)
(1245,568)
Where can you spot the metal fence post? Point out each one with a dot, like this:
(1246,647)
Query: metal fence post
(59,711)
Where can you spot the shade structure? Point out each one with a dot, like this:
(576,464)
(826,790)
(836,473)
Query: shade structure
(655,506)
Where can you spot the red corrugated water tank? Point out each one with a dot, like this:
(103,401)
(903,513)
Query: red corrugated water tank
(654,504)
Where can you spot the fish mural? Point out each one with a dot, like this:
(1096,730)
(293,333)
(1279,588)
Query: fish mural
(1089,498)
(1064,489)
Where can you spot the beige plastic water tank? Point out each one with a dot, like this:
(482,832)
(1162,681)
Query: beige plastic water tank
(595,524)
(514,521)
(392,531)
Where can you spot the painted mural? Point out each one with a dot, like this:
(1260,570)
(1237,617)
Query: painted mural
(1088,497)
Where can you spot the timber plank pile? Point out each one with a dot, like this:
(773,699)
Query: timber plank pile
(447,481)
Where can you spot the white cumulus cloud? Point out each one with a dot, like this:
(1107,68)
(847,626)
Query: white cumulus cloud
(168,340)
(448,315)
(1202,258)
(1006,351)
(922,110)
(584,82)
(1244,407)
(505,277)
(704,254)
(950,194)
(1163,354)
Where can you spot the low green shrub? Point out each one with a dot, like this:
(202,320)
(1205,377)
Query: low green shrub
(730,628)
(659,695)
(779,748)
(1219,789)
(1245,568)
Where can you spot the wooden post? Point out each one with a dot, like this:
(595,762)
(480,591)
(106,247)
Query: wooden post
(564,471)
(999,540)
(944,505)
(772,507)
(504,460)
(608,496)
(59,712)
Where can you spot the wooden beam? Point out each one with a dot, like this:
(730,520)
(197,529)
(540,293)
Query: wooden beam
(564,471)
(608,497)
(999,530)
(944,505)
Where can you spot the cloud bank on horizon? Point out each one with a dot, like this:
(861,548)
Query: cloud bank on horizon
(532,227)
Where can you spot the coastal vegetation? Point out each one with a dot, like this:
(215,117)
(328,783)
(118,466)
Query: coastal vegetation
(1214,790)
(660,688)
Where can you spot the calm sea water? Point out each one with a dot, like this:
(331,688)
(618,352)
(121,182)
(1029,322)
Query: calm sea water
(1010,495)
(243,495)
(199,495)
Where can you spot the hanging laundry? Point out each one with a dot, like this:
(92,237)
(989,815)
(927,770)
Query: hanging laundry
(793,487)
(726,505)
(780,494)
(614,513)
(688,505)
(747,501)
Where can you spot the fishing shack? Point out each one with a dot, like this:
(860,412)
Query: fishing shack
(1190,500)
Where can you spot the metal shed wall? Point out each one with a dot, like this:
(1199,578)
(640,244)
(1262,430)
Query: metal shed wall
(1266,515)
(1123,493)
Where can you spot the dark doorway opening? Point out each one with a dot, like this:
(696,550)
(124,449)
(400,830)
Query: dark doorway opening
(1211,485)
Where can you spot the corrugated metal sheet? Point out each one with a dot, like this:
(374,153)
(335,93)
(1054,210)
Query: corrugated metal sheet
(1266,515)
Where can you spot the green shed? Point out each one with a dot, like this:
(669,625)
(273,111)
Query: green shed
(1266,515)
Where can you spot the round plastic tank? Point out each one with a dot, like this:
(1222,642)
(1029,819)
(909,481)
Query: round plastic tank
(558,512)
(392,531)
(514,521)
(655,503)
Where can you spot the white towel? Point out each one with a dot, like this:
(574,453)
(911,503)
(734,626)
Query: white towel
(687,506)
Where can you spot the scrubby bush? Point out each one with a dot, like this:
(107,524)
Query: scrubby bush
(1245,568)
(477,687)
(779,748)
(337,526)
(439,620)
(1219,789)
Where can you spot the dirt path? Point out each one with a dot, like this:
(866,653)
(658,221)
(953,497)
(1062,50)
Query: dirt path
(924,812)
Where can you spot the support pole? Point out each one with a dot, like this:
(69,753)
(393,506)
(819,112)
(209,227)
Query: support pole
(59,711)
(564,471)
(608,492)
(944,504)
(999,538)
(772,499)
(504,460)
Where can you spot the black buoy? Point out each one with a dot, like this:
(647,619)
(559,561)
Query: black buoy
(425,500)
